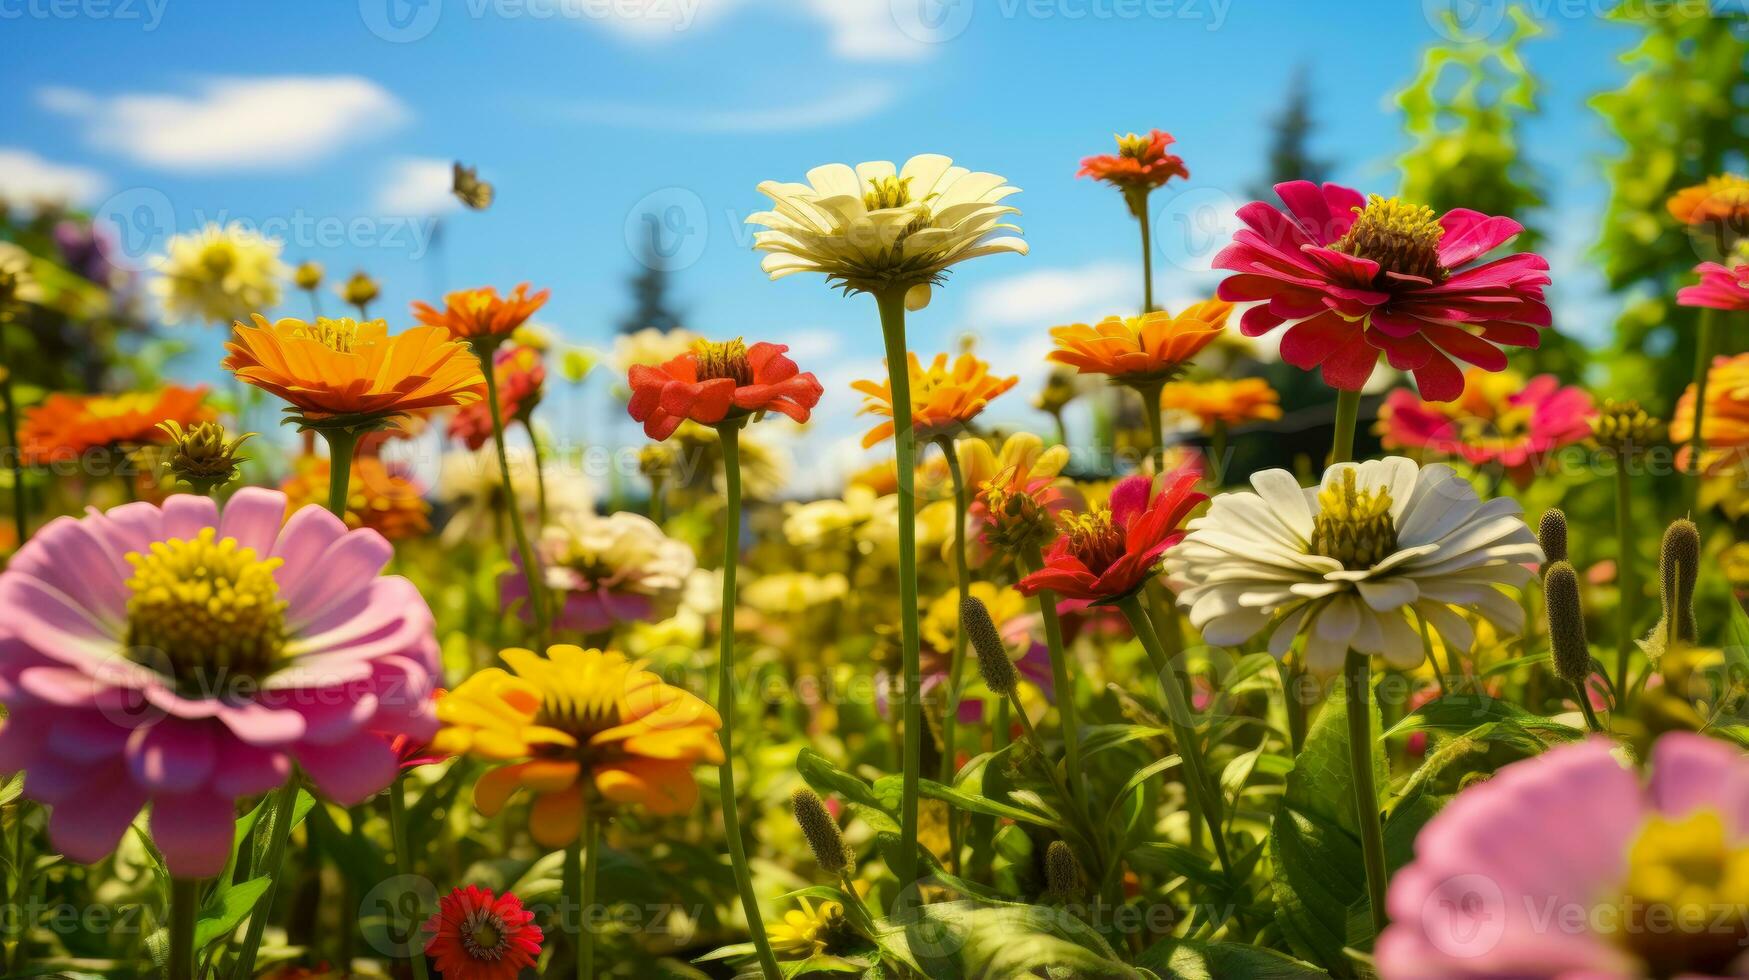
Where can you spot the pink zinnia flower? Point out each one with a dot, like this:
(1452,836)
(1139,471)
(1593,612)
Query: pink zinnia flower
(173,656)
(1357,276)
(1571,865)
(1499,419)
(1720,287)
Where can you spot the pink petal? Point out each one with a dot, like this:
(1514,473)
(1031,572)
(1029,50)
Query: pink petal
(349,772)
(195,832)
(172,756)
(87,826)
(253,516)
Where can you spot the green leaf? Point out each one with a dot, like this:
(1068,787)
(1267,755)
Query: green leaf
(1456,713)
(973,941)
(1183,959)
(889,790)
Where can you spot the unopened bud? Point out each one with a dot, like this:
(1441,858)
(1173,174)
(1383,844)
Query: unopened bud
(1551,533)
(1678,569)
(1568,648)
(824,838)
(200,456)
(993,663)
(1062,872)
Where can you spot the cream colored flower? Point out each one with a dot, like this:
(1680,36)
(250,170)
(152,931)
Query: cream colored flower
(16,281)
(1351,562)
(609,569)
(470,487)
(650,346)
(831,523)
(791,593)
(874,227)
(218,274)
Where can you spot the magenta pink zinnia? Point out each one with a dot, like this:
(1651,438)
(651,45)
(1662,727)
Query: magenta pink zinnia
(1500,420)
(1720,287)
(1571,865)
(179,658)
(1355,277)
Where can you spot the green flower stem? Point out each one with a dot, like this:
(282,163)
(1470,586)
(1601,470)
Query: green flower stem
(14,452)
(1627,583)
(658,500)
(891,302)
(341,444)
(1150,395)
(1357,674)
(729,433)
(1347,417)
(1196,783)
(537,590)
(1032,560)
(584,878)
(285,804)
(1703,355)
(1584,698)
(404,864)
(184,906)
(1290,699)
(1137,199)
(540,469)
(956,670)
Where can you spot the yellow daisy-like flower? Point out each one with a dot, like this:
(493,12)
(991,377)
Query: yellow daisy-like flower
(578,728)
(807,931)
(1018,493)
(1140,350)
(1223,401)
(218,273)
(875,227)
(943,398)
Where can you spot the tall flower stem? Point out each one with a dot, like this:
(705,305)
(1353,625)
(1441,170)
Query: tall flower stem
(729,433)
(1150,395)
(539,448)
(184,906)
(1703,355)
(285,804)
(582,859)
(1196,782)
(1357,677)
(1347,417)
(341,445)
(956,669)
(1290,674)
(537,592)
(404,865)
(1137,199)
(1032,559)
(1627,583)
(891,302)
(14,451)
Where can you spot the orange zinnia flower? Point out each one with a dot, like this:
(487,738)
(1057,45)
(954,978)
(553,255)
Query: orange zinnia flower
(1140,350)
(1723,199)
(1141,163)
(342,373)
(65,427)
(1724,430)
(578,728)
(1220,400)
(473,314)
(943,399)
(379,496)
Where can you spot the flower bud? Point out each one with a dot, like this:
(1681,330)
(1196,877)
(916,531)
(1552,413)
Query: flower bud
(1568,649)
(1678,569)
(360,290)
(200,457)
(1062,872)
(993,663)
(824,838)
(1551,533)
(1624,428)
(308,275)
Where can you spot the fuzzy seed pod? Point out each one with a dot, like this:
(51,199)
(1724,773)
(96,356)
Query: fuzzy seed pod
(1568,648)
(1551,533)
(831,853)
(1062,872)
(993,662)
(1678,568)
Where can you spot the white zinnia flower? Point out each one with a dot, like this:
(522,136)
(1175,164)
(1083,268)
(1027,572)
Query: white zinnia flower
(1350,562)
(872,227)
(218,273)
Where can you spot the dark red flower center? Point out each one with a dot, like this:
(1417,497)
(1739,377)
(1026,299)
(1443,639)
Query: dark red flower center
(725,360)
(1095,539)
(1401,238)
(483,935)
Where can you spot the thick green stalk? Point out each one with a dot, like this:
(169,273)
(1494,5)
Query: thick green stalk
(1583,697)
(572,880)
(341,444)
(729,433)
(14,452)
(1627,584)
(891,302)
(1196,781)
(1138,202)
(404,865)
(1289,672)
(1032,559)
(540,472)
(1703,355)
(184,906)
(1357,675)
(537,591)
(284,806)
(586,900)
(956,669)
(1347,417)
(1150,395)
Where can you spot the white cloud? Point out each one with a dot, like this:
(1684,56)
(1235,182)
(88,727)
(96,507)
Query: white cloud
(865,30)
(856,30)
(26,178)
(847,105)
(1043,298)
(417,187)
(233,123)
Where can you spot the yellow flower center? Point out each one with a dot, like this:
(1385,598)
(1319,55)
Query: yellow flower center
(116,406)
(1094,539)
(887,192)
(580,711)
(725,360)
(1015,516)
(339,335)
(203,609)
(1133,146)
(218,259)
(483,936)
(1401,238)
(1354,526)
(1685,904)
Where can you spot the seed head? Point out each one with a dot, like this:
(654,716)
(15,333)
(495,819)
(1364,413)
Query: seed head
(993,662)
(824,838)
(1568,648)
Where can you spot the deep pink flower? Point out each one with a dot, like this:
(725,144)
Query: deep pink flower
(1107,554)
(1357,276)
(128,683)
(1500,419)
(1720,288)
(1569,865)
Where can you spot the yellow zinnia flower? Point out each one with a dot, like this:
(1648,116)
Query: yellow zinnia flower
(218,273)
(1223,401)
(578,728)
(943,399)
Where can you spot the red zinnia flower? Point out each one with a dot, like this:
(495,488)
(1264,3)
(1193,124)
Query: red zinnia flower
(711,382)
(1356,276)
(1141,163)
(1109,553)
(1720,288)
(475,936)
(520,374)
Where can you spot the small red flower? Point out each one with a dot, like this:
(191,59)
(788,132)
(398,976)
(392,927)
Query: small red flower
(1720,288)
(713,382)
(1141,163)
(1354,277)
(476,936)
(1109,553)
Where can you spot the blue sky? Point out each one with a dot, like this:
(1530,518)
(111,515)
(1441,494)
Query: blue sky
(331,124)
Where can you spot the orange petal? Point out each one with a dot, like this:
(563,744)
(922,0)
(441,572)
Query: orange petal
(556,818)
